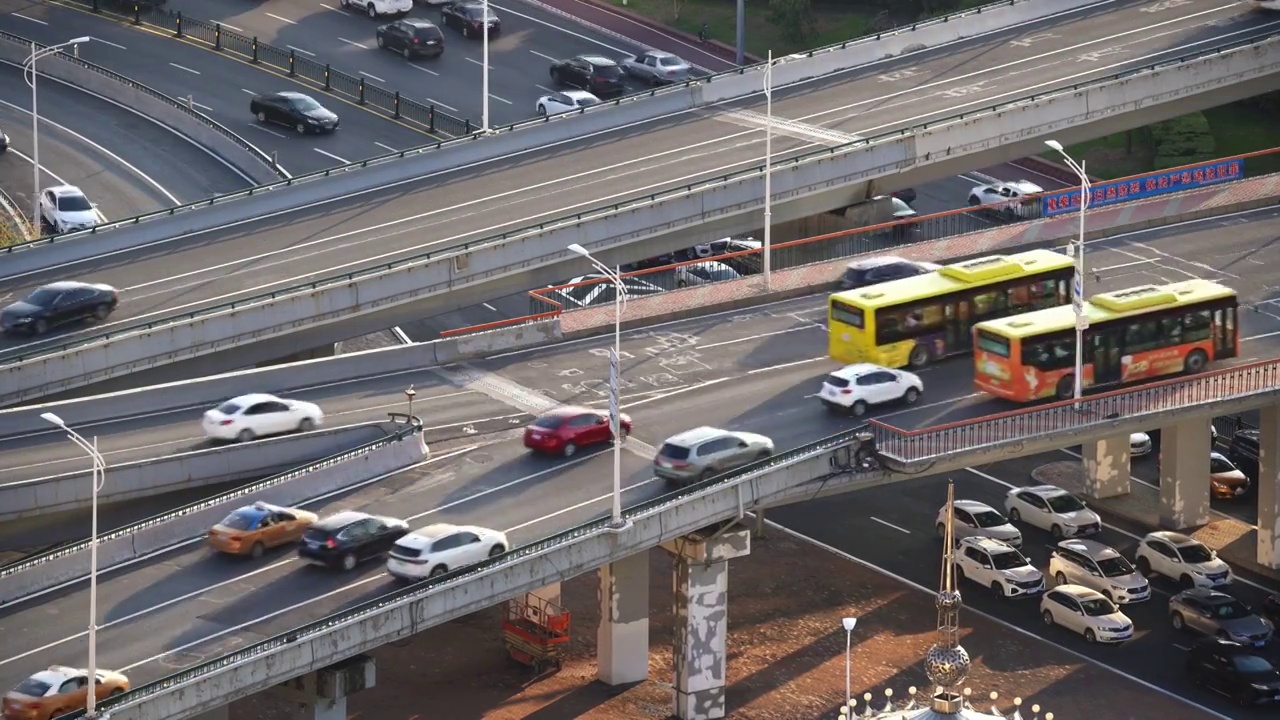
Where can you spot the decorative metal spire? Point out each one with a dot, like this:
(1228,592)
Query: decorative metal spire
(947,663)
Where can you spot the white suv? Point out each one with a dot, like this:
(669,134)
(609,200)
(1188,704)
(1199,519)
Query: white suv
(1183,559)
(1002,568)
(1098,567)
(854,388)
(376,8)
(975,519)
(1052,508)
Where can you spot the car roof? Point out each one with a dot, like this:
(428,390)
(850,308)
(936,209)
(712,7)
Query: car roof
(658,53)
(868,263)
(55,675)
(289,94)
(715,265)
(341,520)
(597,59)
(565,411)
(1092,548)
(1078,592)
(849,372)
(973,506)
(252,398)
(1207,595)
(435,530)
(418,22)
(991,545)
(1025,186)
(64,190)
(62,285)
(1044,491)
(1218,456)
(696,436)
(1173,538)
(578,94)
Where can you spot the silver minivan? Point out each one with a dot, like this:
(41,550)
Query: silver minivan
(702,452)
(1099,568)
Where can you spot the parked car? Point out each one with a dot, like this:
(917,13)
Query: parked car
(717,249)
(295,110)
(993,564)
(64,208)
(855,388)
(1242,450)
(1233,670)
(1226,481)
(564,430)
(975,519)
(906,195)
(873,271)
(58,691)
(1084,611)
(1182,559)
(1011,200)
(704,273)
(1098,567)
(248,417)
(57,304)
(469,18)
(702,452)
(379,8)
(1217,614)
(412,37)
(1139,444)
(558,102)
(1053,509)
(345,539)
(656,67)
(594,73)
(252,529)
(436,549)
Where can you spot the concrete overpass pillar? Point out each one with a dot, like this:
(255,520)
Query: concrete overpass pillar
(622,640)
(1269,487)
(1106,467)
(322,695)
(1184,474)
(702,618)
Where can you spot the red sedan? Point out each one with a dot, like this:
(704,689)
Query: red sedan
(563,430)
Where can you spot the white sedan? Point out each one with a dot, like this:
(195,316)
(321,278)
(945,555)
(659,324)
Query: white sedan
(437,549)
(65,209)
(854,388)
(1086,612)
(375,8)
(558,102)
(1011,199)
(248,417)
(1052,508)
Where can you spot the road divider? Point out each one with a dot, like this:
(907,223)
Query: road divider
(182,471)
(376,459)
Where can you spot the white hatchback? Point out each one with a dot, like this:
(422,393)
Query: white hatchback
(1053,509)
(437,549)
(1087,612)
(975,519)
(1182,559)
(249,417)
(993,564)
(856,387)
(564,101)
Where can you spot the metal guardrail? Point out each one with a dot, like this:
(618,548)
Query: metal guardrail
(244,491)
(379,159)
(54,346)
(175,103)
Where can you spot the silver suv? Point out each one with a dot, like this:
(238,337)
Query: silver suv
(1098,567)
(702,452)
(1218,614)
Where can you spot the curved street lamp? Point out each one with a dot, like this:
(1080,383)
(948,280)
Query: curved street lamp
(29,75)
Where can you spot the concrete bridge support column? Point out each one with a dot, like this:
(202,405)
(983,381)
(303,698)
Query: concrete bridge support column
(622,640)
(701,575)
(1269,487)
(322,695)
(1106,467)
(1184,474)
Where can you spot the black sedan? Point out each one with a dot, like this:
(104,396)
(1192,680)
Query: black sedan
(1234,671)
(412,38)
(469,17)
(57,304)
(295,110)
(594,73)
(345,539)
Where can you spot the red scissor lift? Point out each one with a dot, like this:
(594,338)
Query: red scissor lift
(534,630)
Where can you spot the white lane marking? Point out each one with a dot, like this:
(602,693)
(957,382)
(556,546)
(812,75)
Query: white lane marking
(231,27)
(353,42)
(563,29)
(477,62)
(295,48)
(28,158)
(244,90)
(281,19)
(495,97)
(1122,531)
(465,423)
(329,154)
(678,391)
(546,56)
(786,365)
(384,146)
(996,619)
(108,42)
(265,130)
(490,307)
(446,107)
(888,524)
(425,70)
(761,335)
(31,19)
(401,335)
(544,88)
(326,6)
(202,106)
(374,78)
(579,506)
(185,69)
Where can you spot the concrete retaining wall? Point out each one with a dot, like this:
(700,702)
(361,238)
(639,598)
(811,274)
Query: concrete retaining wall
(57,67)
(278,379)
(228,463)
(148,537)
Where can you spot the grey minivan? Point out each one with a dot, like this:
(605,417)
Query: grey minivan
(702,452)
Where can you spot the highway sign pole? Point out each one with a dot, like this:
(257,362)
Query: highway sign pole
(1077,280)
(768,172)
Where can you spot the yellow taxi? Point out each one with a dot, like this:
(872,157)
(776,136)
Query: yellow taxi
(254,528)
(58,691)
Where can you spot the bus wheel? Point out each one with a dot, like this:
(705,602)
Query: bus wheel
(1196,360)
(919,356)
(1067,387)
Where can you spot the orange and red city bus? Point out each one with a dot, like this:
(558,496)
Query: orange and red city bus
(1132,335)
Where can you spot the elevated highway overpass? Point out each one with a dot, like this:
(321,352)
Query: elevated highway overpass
(180,318)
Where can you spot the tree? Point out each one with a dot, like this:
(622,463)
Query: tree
(793,17)
(677,6)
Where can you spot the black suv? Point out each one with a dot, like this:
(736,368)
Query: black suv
(1242,450)
(343,540)
(1234,671)
(594,73)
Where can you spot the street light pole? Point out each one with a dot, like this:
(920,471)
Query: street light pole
(849,624)
(1077,281)
(484,68)
(99,475)
(768,172)
(409,393)
(35,121)
(615,403)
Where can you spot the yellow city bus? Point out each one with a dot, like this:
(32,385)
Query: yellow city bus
(1137,334)
(919,319)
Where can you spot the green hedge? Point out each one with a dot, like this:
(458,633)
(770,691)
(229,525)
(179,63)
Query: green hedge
(1183,141)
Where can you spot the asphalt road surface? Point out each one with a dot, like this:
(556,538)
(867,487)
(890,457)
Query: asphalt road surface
(81,144)
(220,85)
(273,253)
(756,370)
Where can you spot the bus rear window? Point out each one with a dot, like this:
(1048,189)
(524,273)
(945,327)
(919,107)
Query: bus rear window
(847,314)
(992,343)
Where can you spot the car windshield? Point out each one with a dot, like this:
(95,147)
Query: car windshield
(1064,503)
(1115,567)
(73,203)
(1097,607)
(1220,465)
(1008,560)
(608,71)
(43,297)
(241,520)
(1232,610)
(670,62)
(1196,553)
(306,104)
(989,518)
(548,422)
(1251,665)
(228,408)
(675,452)
(32,687)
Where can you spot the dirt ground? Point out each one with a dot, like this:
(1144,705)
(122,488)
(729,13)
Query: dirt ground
(786,655)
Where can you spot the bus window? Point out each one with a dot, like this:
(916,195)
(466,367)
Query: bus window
(992,343)
(1049,354)
(846,314)
(1198,325)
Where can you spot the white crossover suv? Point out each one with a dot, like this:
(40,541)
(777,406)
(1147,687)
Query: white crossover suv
(1053,509)
(1098,567)
(854,388)
(1183,559)
(975,519)
(993,564)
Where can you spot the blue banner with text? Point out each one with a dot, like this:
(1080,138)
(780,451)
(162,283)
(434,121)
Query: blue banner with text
(1144,186)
